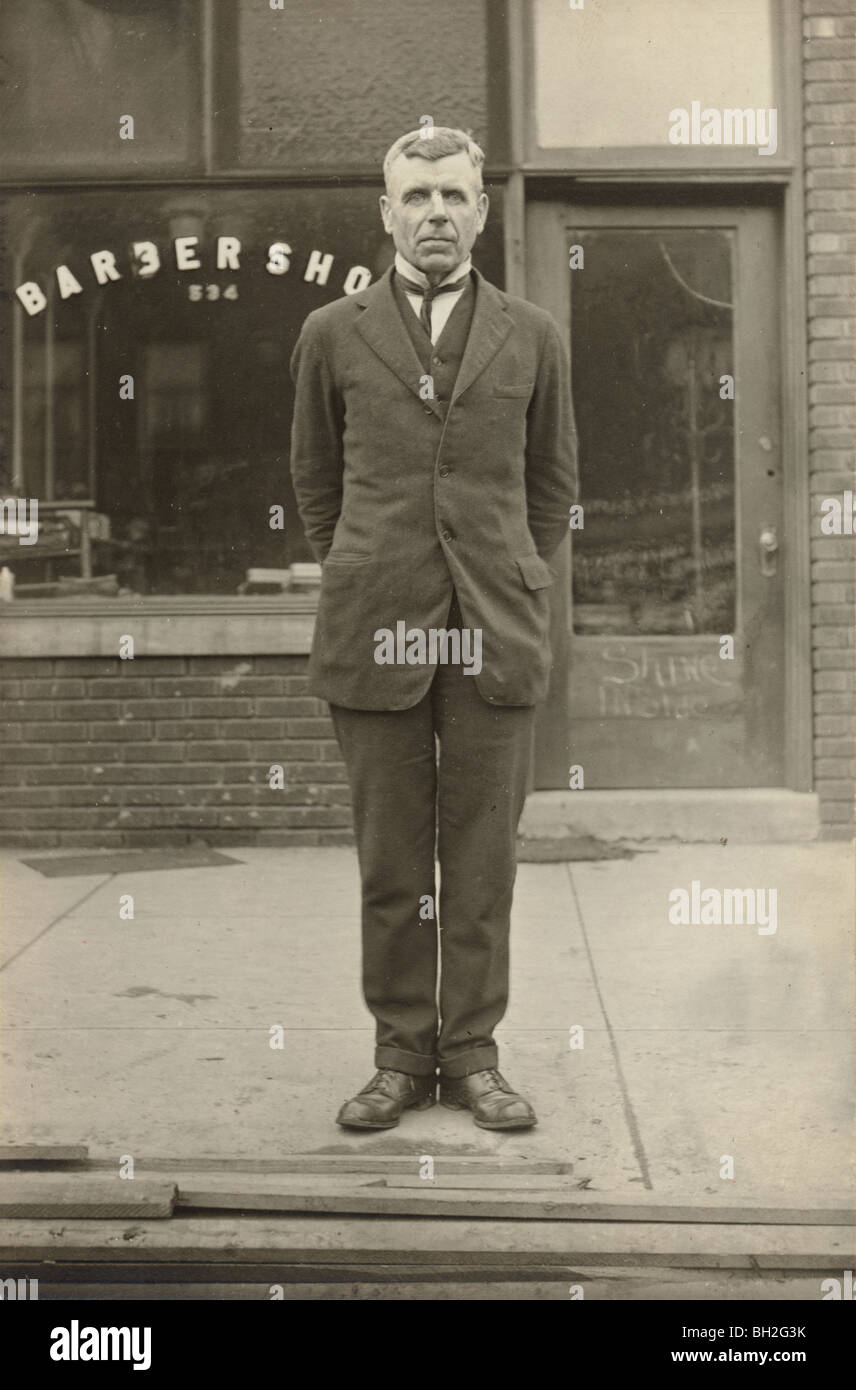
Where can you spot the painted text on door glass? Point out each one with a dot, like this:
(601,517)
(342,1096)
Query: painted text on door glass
(653,381)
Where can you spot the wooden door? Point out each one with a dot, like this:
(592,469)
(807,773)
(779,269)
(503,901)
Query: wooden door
(669,637)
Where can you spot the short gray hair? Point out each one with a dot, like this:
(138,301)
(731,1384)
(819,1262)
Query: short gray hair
(443,140)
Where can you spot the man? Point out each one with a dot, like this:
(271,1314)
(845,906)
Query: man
(434,464)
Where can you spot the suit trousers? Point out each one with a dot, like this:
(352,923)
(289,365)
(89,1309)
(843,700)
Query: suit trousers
(446,779)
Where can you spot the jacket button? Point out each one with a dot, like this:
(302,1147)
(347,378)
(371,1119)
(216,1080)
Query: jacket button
(444,471)
(447,535)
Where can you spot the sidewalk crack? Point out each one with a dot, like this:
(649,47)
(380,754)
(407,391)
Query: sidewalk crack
(73,908)
(629,1113)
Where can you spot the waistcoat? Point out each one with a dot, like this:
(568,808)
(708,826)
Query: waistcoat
(440,360)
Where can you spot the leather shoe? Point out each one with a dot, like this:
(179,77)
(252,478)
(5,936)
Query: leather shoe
(379,1105)
(495,1105)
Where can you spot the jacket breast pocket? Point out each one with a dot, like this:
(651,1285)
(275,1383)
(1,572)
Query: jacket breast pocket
(536,572)
(346,557)
(513,391)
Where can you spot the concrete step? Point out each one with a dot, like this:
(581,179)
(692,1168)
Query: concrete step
(756,815)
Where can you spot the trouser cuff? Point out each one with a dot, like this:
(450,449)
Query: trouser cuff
(465,1063)
(414,1063)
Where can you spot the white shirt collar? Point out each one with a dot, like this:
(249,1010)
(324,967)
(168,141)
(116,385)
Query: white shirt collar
(411,273)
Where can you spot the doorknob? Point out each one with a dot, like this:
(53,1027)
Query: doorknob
(768,542)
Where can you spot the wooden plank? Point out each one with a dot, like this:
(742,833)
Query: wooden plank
(831,1209)
(107,1280)
(252,1192)
(41,1196)
(359,1289)
(564,1183)
(356,1162)
(367,1201)
(469,1244)
(43,1153)
(60,1273)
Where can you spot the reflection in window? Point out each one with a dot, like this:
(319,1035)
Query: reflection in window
(651,338)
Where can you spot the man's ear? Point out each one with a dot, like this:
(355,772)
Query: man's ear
(483,205)
(385,211)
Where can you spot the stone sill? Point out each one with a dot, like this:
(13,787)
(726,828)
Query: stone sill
(736,816)
(170,625)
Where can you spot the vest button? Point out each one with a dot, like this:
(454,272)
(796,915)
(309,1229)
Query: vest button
(438,361)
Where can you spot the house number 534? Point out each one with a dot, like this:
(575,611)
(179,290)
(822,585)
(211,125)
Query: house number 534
(211,292)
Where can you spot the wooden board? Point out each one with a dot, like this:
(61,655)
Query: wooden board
(163,1280)
(397,1196)
(43,1153)
(313,1241)
(46,1196)
(360,1162)
(832,1208)
(649,1288)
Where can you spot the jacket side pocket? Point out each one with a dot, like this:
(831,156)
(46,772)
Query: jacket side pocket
(536,572)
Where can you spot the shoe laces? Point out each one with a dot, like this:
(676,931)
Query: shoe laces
(381,1081)
(496,1078)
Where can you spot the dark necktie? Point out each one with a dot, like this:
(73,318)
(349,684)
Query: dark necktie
(429,294)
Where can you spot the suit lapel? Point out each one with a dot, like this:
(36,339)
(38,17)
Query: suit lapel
(380,324)
(490,327)
(381,327)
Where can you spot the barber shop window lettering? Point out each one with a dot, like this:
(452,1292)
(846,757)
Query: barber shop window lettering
(145,261)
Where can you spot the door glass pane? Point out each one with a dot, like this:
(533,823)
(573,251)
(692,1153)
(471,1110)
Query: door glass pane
(607,75)
(652,358)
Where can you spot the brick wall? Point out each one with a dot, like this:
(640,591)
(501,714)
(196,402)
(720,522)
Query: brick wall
(829,71)
(162,751)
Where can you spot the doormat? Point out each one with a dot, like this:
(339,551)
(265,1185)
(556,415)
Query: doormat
(129,862)
(558,849)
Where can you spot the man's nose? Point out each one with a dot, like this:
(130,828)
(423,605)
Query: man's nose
(438,207)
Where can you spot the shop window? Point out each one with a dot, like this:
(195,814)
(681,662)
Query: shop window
(608,78)
(73,71)
(153,410)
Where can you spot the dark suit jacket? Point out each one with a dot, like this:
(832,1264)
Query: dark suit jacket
(402,498)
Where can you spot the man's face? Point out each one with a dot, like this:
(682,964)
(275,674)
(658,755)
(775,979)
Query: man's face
(434,210)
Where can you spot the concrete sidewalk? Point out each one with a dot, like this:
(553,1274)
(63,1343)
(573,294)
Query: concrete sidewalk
(151,1037)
